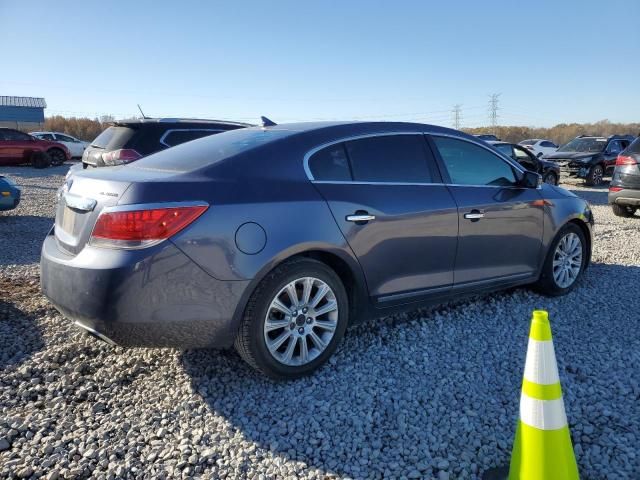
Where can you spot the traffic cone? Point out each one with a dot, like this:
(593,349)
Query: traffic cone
(542,447)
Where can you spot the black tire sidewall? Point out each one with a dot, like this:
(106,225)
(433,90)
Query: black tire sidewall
(551,175)
(57,156)
(265,294)
(590,176)
(547,282)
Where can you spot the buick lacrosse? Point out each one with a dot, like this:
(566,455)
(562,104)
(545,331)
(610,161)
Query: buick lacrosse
(276,238)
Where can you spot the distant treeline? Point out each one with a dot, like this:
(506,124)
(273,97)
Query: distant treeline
(560,133)
(88,129)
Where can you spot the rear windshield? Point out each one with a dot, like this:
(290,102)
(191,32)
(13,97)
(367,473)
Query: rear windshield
(113,138)
(584,145)
(209,150)
(634,147)
(528,142)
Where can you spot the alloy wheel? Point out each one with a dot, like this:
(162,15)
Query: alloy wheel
(567,260)
(597,175)
(301,321)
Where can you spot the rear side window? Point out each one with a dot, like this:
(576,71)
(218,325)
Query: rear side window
(176,137)
(470,164)
(389,158)
(330,164)
(548,145)
(634,147)
(113,138)
(528,142)
(45,136)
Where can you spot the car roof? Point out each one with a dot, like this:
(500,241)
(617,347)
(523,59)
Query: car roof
(137,121)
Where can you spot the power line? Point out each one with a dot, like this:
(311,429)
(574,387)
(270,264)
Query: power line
(457,116)
(493,110)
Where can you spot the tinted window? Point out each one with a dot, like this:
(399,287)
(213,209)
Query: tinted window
(176,137)
(330,164)
(505,148)
(46,136)
(389,158)
(210,150)
(614,147)
(634,147)
(64,138)
(528,142)
(470,164)
(547,145)
(16,136)
(113,138)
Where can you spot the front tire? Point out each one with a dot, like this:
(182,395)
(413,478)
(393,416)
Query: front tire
(40,160)
(595,176)
(550,178)
(57,157)
(565,262)
(294,320)
(623,210)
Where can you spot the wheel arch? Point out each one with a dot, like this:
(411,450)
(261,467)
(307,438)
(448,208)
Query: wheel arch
(346,267)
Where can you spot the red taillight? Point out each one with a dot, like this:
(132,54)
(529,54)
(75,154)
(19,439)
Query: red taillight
(615,189)
(624,160)
(144,227)
(119,157)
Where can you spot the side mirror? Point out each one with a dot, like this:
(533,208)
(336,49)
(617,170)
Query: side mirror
(531,179)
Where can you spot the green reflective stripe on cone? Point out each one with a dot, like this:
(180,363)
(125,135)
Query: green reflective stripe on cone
(542,455)
(541,392)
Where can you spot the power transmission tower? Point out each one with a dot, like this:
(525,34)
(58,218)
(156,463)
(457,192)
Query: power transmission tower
(457,116)
(493,110)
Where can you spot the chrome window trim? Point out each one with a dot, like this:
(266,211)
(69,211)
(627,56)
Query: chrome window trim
(479,143)
(166,134)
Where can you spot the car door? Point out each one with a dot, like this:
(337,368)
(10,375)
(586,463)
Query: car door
(398,218)
(501,223)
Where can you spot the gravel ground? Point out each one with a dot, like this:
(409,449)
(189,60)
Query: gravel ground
(431,394)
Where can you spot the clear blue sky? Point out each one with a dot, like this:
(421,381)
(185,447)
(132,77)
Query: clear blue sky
(303,60)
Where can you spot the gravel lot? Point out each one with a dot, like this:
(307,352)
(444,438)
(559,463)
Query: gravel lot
(432,394)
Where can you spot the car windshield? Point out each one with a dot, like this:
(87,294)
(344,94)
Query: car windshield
(209,150)
(584,145)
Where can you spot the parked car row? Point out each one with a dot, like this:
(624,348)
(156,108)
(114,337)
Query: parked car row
(17,147)
(280,236)
(76,146)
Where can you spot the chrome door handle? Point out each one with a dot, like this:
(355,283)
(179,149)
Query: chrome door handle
(474,215)
(360,218)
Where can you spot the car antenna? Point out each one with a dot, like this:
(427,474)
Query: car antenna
(267,123)
(140,108)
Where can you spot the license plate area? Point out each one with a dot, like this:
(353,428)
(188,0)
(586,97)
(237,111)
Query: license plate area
(68,221)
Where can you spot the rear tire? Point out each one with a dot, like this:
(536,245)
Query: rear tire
(595,176)
(623,210)
(58,157)
(287,361)
(552,282)
(40,160)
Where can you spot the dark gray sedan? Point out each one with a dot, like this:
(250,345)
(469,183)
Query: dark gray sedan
(276,238)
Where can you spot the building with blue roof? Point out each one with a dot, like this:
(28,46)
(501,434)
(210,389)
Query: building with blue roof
(22,112)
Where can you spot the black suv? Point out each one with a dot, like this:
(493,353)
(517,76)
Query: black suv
(126,141)
(590,157)
(624,189)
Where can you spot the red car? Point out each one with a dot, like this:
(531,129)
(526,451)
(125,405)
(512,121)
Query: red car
(17,147)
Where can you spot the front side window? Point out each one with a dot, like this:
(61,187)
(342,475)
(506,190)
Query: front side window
(389,158)
(330,164)
(470,164)
(505,148)
(614,147)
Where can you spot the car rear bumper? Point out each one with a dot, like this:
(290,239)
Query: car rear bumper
(626,196)
(156,297)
